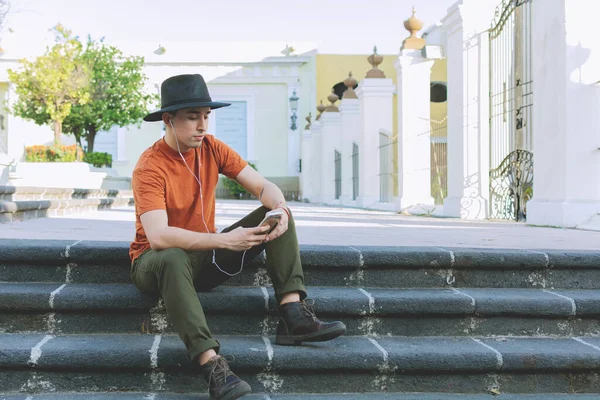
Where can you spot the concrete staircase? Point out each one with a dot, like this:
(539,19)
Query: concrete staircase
(424,323)
(22,203)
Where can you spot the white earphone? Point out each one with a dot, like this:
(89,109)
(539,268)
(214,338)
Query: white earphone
(214,257)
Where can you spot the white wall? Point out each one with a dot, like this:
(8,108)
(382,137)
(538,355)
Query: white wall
(435,35)
(136,142)
(566,71)
(467,53)
(267,123)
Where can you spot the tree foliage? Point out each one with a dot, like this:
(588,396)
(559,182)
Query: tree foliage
(117,95)
(82,89)
(50,85)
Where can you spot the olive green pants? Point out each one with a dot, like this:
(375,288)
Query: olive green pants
(174,274)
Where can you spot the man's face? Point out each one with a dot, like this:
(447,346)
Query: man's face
(190,126)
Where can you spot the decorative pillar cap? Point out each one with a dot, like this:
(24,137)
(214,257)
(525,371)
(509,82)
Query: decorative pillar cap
(413,25)
(332,99)
(375,59)
(350,83)
(320,108)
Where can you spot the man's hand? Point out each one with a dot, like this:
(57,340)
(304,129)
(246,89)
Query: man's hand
(279,229)
(241,239)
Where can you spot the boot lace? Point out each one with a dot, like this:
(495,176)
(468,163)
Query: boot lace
(220,370)
(306,307)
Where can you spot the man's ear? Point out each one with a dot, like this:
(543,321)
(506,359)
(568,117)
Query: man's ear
(166,117)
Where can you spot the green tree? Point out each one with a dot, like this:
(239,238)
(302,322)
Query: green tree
(50,85)
(117,93)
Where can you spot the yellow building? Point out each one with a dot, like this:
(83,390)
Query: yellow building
(332,69)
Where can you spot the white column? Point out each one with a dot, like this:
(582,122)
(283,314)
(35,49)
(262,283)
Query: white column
(306,175)
(566,142)
(376,113)
(315,167)
(414,143)
(350,113)
(468,108)
(330,142)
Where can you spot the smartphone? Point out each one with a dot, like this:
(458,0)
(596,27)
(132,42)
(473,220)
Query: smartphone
(272,218)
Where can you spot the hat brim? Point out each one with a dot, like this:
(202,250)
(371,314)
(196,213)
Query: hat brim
(157,115)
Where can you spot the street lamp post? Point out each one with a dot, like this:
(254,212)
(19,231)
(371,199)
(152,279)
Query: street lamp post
(294,106)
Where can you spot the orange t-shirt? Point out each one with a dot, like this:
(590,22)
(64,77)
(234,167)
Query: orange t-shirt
(161,181)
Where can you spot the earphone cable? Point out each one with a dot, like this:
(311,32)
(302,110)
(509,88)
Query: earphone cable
(214,256)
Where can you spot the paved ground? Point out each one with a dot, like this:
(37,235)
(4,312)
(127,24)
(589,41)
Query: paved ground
(328,225)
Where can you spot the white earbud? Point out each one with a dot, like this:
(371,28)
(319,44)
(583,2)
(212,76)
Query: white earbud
(171,122)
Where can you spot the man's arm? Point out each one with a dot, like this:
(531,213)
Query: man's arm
(162,236)
(149,193)
(269,195)
(267,192)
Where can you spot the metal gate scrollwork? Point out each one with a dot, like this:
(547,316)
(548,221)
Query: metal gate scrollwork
(511,103)
(512,185)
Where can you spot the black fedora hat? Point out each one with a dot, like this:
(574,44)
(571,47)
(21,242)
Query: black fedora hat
(183,91)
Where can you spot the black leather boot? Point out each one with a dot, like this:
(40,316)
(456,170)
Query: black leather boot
(223,384)
(298,323)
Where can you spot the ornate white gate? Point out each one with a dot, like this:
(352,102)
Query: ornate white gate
(511,130)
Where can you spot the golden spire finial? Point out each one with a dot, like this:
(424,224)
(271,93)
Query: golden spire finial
(350,83)
(413,25)
(375,59)
(320,108)
(332,99)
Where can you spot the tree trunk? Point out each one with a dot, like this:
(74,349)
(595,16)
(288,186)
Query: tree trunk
(91,136)
(78,140)
(77,137)
(57,132)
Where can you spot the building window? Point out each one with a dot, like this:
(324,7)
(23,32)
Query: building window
(439,92)
(232,127)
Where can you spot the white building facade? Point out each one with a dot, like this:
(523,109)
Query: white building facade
(523,141)
(257,124)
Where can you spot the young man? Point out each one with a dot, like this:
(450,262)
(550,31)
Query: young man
(177,248)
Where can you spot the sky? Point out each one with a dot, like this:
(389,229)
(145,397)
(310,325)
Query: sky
(139,26)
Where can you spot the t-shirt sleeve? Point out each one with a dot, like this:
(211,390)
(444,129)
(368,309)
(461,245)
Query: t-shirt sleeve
(148,190)
(229,161)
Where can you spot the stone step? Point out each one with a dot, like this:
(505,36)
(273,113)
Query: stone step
(21,210)
(327,396)
(399,267)
(24,193)
(118,308)
(148,363)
